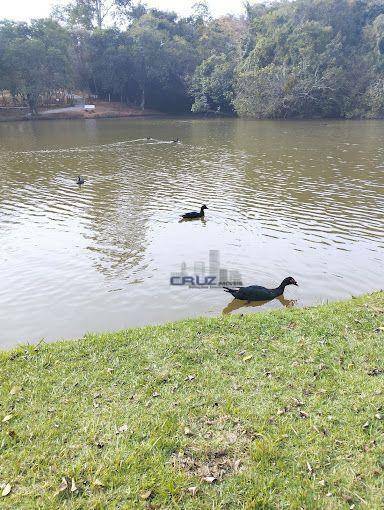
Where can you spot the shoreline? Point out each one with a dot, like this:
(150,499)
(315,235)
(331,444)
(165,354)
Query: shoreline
(176,323)
(103,110)
(88,117)
(117,111)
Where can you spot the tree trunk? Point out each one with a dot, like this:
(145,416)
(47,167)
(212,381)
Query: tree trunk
(99,15)
(142,103)
(32,103)
(94,85)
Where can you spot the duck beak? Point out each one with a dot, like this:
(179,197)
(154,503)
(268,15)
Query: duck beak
(295,283)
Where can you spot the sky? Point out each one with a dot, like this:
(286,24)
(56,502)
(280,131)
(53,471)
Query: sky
(22,10)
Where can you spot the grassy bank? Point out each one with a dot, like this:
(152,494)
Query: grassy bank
(276,410)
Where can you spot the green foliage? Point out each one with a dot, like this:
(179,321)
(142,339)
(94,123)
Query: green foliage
(312,59)
(91,14)
(35,59)
(306,58)
(212,84)
(375,98)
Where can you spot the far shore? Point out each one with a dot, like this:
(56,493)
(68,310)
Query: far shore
(116,110)
(103,110)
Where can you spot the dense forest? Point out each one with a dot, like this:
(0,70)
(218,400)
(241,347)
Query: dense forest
(306,58)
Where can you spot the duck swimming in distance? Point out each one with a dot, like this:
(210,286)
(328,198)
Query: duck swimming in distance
(258,293)
(80,180)
(194,214)
(176,140)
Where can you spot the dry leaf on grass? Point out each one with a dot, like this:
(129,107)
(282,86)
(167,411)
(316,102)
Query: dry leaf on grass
(192,491)
(122,429)
(247,358)
(7,489)
(98,483)
(64,485)
(146,495)
(7,418)
(231,437)
(237,465)
(14,390)
(209,479)
(73,486)
(376,371)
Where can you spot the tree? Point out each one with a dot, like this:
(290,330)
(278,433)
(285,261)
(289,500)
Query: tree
(304,58)
(309,59)
(219,46)
(89,14)
(36,60)
(162,57)
(212,84)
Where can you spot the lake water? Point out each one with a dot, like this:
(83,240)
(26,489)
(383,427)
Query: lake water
(304,199)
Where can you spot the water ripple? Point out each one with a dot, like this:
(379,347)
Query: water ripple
(306,201)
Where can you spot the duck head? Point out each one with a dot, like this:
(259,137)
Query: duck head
(289,281)
(204,207)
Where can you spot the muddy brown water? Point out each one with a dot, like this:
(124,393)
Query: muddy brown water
(285,198)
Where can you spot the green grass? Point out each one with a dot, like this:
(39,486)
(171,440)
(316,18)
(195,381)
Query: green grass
(284,409)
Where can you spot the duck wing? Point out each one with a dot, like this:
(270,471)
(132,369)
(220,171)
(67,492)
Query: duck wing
(190,215)
(255,293)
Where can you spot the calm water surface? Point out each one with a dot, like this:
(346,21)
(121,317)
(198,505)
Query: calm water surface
(285,198)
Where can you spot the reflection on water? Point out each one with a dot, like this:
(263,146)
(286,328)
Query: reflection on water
(235,304)
(300,198)
(203,221)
